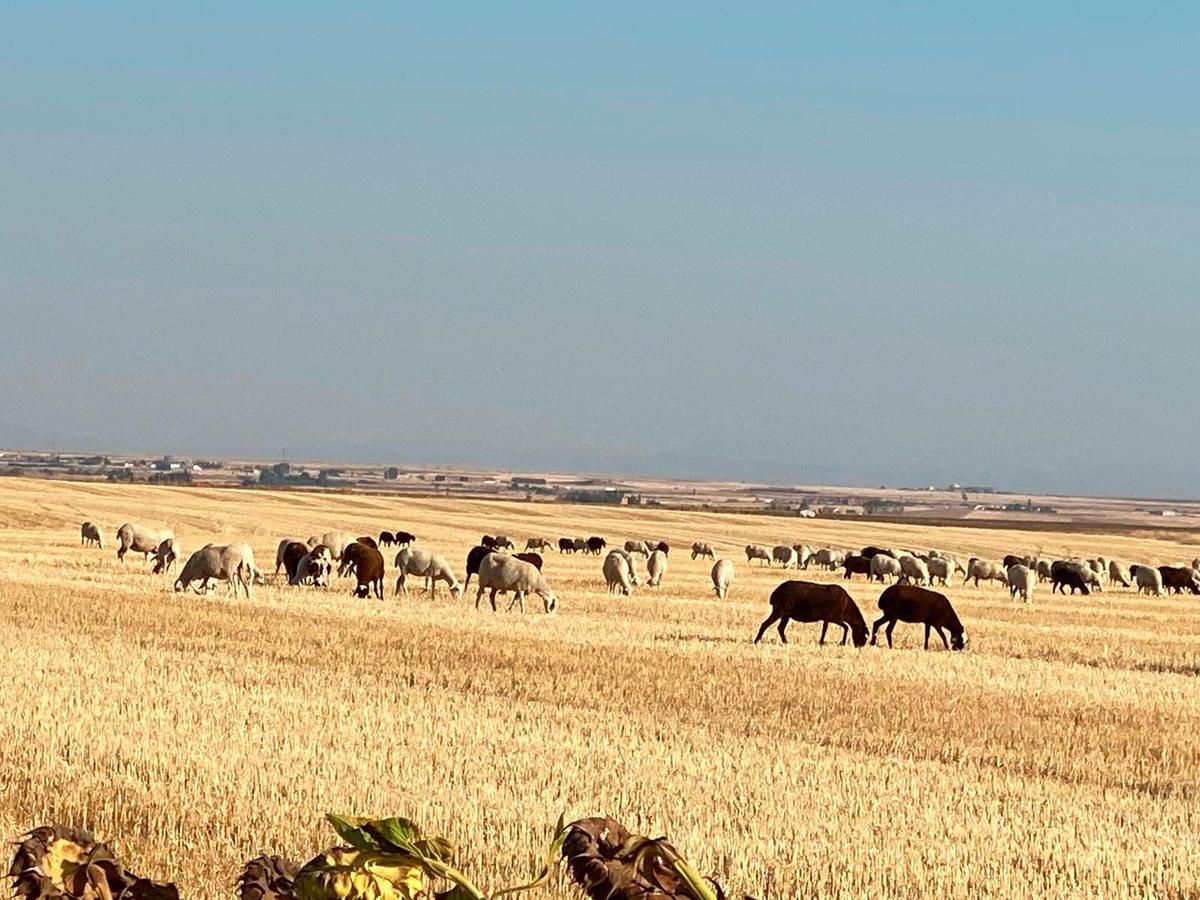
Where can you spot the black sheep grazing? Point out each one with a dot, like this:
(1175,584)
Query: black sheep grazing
(868,552)
(292,554)
(807,601)
(857,565)
(920,606)
(1178,579)
(386,539)
(1065,575)
(474,557)
(534,559)
(596,544)
(403,538)
(367,563)
(566,545)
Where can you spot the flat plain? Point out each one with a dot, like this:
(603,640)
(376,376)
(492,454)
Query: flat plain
(1057,757)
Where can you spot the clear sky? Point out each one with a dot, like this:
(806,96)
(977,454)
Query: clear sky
(880,243)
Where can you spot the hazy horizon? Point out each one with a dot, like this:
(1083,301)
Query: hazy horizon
(881,245)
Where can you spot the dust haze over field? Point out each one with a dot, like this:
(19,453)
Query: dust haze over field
(1056,758)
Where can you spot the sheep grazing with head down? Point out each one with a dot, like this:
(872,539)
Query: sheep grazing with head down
(702,550)
(1021,580)
(656,568)
(428,565)
(755,551)
(806,601)
(786,556)
(500,573)
(367,564)
(89,534)
(617,575)
(722,577)
(1148,580)
(884,567)
(233,563)
(920,606)
(167,554)
(140,539)
(1118,573)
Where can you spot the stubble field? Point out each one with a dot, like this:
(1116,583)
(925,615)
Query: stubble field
(1058,757)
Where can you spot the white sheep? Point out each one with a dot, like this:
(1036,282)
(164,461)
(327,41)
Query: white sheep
(722,577)
(428,565)
(499,572)
(637,547)
(1021,580)
(166,555)
(828,558)
(233,563)
(140,539)
(1148,580)
(804,555)
(981,569)
(336,541)
(1118,572)
(883,567)
(631,561)
(940,568)
(703,550)
(914,570)
(656,568)
(90,533)
(617,575)
(754,551)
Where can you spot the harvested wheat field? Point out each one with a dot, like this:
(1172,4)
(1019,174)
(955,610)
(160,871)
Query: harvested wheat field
(1057,757)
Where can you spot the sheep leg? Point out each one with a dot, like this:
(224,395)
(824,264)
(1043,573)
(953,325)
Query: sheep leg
(765,625)
(845,633)
(783,624)
(493,599)
(945,643)
(478,596)
(888,631)
(521,599)
(927,635)
(824,628)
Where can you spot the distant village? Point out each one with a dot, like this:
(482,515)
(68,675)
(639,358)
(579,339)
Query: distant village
(928,503)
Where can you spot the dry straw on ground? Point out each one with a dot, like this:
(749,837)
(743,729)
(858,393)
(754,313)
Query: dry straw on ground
(1057,758)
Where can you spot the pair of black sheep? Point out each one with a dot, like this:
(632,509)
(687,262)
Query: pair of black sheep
(830,604)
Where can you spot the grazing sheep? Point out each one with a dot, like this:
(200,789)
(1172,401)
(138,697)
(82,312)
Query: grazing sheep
(166,556)
(538,543)
(1177,579)
(534,559)
(914,570)
(701,549)
(1021,580)
(786,556)
(631,562)
(581,545)
(386,539)
(316,566)
(404,538)
(754,551)
(663,547)
(233,563)
(140,539)
(501,573)
(337,542)
(617,575)
(566,545)
(940,568)
(883,567)
(1118,573)
(637,547)
(282,548)
(722,577)
(854,564)
(828,558)
(1045,569)
(656,568)
(367,564)
(428,565)
(982,569)
(488,541)
(919,606)
(1148,580)
(503,543)
(89,534)
(807,601)
(804,555)
(871,552)
(474,556)
(595,545)
(313,541)
(1069,575)
(367,540)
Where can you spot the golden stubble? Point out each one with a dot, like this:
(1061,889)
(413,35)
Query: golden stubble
(1056,758)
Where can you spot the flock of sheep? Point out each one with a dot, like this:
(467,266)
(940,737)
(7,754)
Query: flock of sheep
(501,570)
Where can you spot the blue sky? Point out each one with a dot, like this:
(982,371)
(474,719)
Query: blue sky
(899,243)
